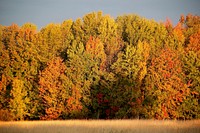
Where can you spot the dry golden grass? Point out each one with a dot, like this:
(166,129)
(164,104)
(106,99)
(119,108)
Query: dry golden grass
(101,126)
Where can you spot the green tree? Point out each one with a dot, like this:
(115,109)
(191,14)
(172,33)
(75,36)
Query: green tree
(191,61)
(134,28)
(191,107)
(83,72)
(77,31)
(131,67)
(67,36)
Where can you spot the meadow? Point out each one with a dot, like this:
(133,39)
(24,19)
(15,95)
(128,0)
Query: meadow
(101,126)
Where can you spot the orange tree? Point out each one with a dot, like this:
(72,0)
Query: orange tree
(165,89)
(53,88)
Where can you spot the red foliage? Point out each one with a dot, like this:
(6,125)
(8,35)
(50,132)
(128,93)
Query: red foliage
(100,98)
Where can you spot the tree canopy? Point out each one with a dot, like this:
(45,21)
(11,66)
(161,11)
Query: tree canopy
(98,67)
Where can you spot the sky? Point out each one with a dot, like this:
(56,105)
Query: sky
(43,12)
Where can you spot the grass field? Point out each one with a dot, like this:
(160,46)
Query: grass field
(101,126)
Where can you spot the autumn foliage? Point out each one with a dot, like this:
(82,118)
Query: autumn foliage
(166,85)
(52,91)
(99,67)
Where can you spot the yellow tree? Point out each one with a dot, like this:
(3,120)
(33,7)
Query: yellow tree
(66,29)
(107,32)
(19,100)
(103,27)
(4,59)
(19,44)
(7,65)
(49,42)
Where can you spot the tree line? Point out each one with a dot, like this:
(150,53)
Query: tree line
(98,67)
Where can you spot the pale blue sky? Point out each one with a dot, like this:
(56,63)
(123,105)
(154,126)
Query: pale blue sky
(42,12)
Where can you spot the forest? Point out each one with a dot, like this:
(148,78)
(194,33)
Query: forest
(100,67)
